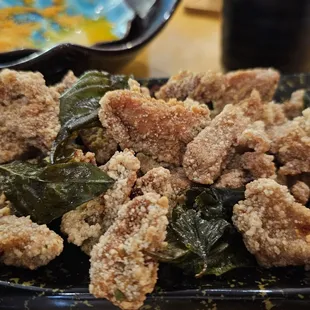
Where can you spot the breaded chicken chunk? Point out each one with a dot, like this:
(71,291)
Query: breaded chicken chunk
(28,114)
(273,114)
(203,87)
(87,223)
(294,107)
(157,180)
(121,271)
(154,127)
(275,228)
(259,165)
(241,83)
(99,141)
(206,156)
(5,205)
(27,244)
(291,144)
(169,183)
(135,86)
(301,192)
(80,157)
(255,137)
(220,89)
(66,83)
(232,178)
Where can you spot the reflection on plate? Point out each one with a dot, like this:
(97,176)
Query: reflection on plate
(42,24)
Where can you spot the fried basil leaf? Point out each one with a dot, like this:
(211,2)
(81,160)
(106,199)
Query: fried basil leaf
(199,235)
(201,239)
(79,106)
(213,202)
(47,192)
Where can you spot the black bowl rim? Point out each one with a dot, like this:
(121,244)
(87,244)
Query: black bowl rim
(108,48)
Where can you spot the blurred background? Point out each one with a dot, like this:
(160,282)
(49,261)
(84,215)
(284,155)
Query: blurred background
(191,40)
(154,38)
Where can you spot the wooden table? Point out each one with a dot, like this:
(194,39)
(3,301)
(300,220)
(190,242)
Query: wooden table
(190,40)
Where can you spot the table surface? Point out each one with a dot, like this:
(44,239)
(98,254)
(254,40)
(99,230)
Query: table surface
(190,41)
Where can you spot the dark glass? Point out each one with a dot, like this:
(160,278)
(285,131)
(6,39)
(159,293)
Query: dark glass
(266,33)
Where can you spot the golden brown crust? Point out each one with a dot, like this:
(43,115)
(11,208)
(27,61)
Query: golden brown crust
(294,107)
(255,137)
(259,165)
(156,180)
(291,144)
(206,155)
(121,271)
(301,192)
(202,87)
(220,89)
(232,178)
(241,83)
(87,223)
(80,157)
(275,228)
(27,244)
(273,114)
(155,127)
(28,114)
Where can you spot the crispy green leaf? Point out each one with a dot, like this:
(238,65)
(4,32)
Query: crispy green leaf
(214,202)
(199,235)
(79,106)
(203,227)
(47,192)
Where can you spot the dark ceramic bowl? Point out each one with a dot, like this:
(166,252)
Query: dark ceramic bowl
(63,284)
(54,62)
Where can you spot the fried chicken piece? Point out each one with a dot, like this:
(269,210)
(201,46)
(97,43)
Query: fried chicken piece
(202,87)
(301,192)
(241,83)
(121,271)
(206,156)
(291,144)
(179,181)
(154,127)
(171,184)
(273,114)
(5,205)
(66,83)
(28,114)
(259,165)
(99,141)
(255,137)
(156,181)
(275,228)
(80,157)
(294,107)
(147,163)
(136,87)
(233,178)
(27,244)
(88,222)
(220,89)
